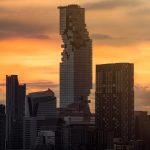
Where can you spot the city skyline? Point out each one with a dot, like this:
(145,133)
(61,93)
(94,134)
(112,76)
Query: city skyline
(47,107)
(31,47)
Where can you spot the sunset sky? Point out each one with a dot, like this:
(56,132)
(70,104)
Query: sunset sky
(30,44)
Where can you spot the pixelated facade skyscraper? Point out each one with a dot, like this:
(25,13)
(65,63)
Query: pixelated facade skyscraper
(76,65)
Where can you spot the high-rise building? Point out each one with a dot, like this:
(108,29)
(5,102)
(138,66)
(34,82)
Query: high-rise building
(15,103)
(142,127)
(40,114)
(115,101)
(2,127)
(76,65)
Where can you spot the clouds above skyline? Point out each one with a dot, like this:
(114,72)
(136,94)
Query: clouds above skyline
(142,97)
(122,21)
(33,20)
(112,4)
(14,29)
(27,21)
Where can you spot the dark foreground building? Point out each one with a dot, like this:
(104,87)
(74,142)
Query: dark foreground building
(2,127)
(15,103)
(76,136)
(40,116)
(114,103)
(76,65)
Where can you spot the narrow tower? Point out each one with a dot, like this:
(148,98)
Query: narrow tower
(76,65)
(15,103)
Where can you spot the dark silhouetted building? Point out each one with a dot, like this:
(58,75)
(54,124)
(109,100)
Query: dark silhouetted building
(15,103)
(76,65)
(78,136)
(45,141)
(2,127)
(114,102)
(142,127)
(40,115)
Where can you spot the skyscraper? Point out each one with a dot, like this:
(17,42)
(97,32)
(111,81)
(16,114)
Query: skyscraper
(15,103)
(76,65)
(115,100)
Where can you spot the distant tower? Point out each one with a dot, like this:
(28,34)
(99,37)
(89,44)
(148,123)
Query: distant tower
(15,103)
(76,65)
(115,100)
